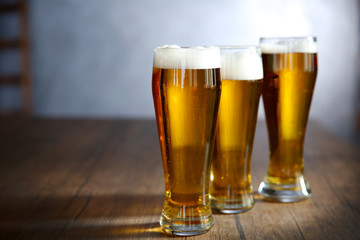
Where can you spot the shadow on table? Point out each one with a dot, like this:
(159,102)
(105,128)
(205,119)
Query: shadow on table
(56,230)
(95,217)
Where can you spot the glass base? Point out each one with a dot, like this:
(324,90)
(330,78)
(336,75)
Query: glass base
(297,191)
(243,204)
(186,226)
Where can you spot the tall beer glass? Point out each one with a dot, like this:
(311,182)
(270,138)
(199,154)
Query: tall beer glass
(241,74)
(186,89)
(290,68)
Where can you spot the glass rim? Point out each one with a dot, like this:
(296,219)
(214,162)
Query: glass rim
(234,49)
(182,48)
(176,57)
(313,38)
(237,46)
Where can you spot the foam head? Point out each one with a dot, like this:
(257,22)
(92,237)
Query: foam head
(241,63)
(288,45)
(175,57)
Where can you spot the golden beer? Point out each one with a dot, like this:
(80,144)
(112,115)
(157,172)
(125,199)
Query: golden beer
(290,69)
(242,73)
(186,92)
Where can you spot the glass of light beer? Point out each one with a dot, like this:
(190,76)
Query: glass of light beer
(186,87)
(290,69)
(242,79)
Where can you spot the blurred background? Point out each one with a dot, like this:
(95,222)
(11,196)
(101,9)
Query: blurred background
(93,58)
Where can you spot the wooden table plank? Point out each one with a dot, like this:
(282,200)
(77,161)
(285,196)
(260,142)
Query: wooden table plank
(96,179)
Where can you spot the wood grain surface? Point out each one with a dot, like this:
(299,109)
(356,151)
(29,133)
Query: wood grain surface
(103,179)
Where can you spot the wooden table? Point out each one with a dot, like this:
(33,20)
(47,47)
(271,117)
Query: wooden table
(103,179)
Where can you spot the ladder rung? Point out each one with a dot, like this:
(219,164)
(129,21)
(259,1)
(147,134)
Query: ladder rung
(9,7)
(10,80)
(6,44)
(10,113)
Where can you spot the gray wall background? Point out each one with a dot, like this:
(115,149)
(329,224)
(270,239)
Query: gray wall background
(93,58)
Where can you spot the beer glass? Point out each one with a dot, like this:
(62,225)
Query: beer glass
(290,69)
(241,74)
(186,87)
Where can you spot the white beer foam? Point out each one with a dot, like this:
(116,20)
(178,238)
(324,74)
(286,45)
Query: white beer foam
(241,65)
(175,57)
(296,46)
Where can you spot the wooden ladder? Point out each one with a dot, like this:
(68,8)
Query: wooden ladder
(21,43)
